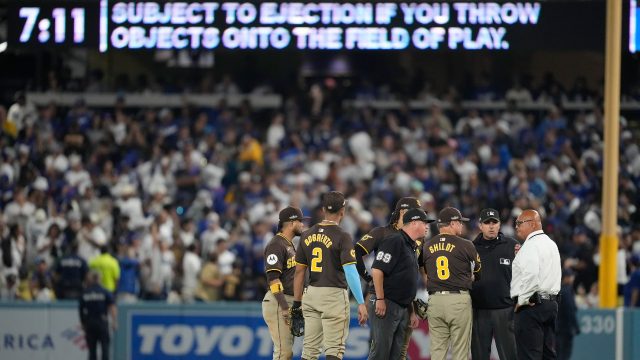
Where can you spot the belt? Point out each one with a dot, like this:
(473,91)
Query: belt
(548,297)
(448,292)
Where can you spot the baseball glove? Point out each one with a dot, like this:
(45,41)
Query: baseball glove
(420,307)
(297,321)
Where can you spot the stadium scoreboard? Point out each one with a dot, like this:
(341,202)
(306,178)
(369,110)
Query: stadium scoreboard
(284,25)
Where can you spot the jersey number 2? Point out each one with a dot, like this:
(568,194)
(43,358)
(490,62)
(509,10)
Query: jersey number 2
(442,265)
(317,259)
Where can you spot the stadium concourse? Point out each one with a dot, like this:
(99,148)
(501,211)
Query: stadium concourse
(187,197)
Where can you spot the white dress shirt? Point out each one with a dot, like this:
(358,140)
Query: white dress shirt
(536,267)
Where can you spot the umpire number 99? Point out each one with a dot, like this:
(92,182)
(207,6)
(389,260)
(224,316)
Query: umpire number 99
(597,324)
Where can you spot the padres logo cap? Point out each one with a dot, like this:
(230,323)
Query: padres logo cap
(291,213)
(489,214)
(333,201)
(450,214)
(407,203)
(416,215)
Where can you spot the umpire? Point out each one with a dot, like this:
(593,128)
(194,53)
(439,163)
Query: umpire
(492,303)
(369,244)
(94,304)
(395,278)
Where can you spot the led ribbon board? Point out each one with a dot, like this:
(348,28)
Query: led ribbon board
(329,26)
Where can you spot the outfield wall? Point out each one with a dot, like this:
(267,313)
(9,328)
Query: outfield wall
(30,331)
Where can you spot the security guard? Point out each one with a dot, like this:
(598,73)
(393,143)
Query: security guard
(69,273)
(94,304)
(451,263)
(535,285)
(327,252)
(395,277)
(369,244)
(492,303)
(280,268)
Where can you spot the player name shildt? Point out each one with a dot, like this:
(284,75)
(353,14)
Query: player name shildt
(319,238)
(441,247)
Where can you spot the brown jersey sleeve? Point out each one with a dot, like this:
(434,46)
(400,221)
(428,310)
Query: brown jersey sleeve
(371,240)
(301,254)
(275,256)
(347,252)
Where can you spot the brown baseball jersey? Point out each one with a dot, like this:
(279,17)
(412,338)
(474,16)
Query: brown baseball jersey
(324,249)
(280,256)
(371,241)
(447,260)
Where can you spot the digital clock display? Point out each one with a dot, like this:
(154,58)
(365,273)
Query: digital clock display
(305,25)
(54,23)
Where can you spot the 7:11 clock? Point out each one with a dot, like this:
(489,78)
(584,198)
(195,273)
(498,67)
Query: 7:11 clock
(54,23)
(59,17)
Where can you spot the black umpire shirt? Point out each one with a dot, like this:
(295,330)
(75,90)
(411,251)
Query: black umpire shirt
(492,291)
(396,258)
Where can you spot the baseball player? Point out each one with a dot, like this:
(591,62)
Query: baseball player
(370,243)
(326,252)
(450,263)
(280,268)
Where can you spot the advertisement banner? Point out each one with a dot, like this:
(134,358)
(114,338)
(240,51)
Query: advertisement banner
(41,333)
(171,333)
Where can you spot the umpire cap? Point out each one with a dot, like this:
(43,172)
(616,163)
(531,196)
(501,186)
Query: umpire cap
(333,201)
(489,214)
(407,203)
(450,214)
(416,215)
(291,213)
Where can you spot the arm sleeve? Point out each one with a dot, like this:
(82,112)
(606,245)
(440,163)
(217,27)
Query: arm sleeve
(301,257)
(354,282)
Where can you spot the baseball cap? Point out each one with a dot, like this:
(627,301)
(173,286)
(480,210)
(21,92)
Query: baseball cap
(449,214)
(489,214)
(416,215)
(333,201)
(407,203)
(291,213)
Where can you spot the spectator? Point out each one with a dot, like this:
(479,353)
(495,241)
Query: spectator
(211,280)
(42,282)
(108,268)
(91,238)
(191,265)
(632,288)
(129,282)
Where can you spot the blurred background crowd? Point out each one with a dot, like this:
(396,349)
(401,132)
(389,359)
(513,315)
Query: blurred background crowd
(177,204)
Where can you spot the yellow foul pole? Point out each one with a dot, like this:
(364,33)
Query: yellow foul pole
(609,238)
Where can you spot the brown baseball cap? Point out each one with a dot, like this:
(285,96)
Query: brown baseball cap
(408,203)
(333,201)
(291,213)
(450,214)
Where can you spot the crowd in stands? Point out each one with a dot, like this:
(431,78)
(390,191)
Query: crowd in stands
(178,204)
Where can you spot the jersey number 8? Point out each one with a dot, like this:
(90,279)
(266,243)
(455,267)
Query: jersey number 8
(317,259)
(442,266)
